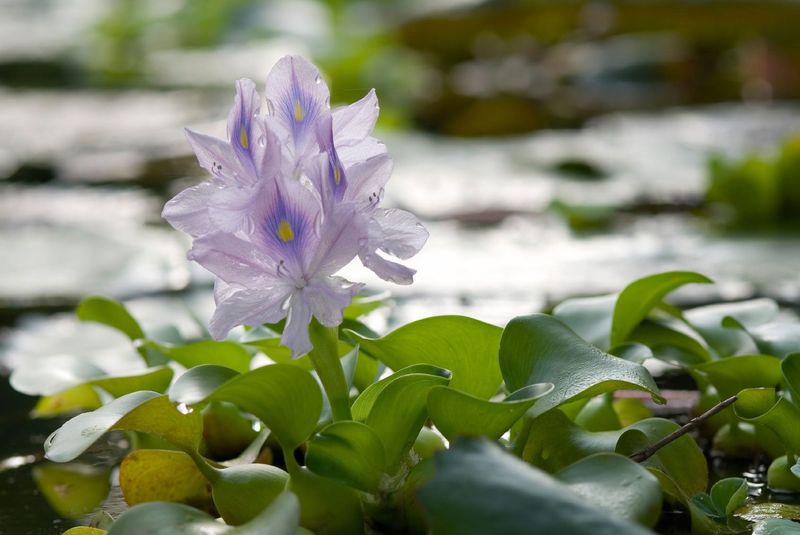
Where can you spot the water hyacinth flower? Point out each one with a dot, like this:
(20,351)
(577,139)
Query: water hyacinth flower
(294,196)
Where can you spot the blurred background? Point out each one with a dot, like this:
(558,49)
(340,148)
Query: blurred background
(553,148)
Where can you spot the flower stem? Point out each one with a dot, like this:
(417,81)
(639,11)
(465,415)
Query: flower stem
(325,356)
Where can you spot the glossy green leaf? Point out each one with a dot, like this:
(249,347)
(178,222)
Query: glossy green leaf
(760,406)
(59,373)
(680,466)
(632,352)
(78,398)
(164,518)
(148,412)
(616,484)
(227,431)
(364,402)
(732,374)
(457,413)
(110,312)
(672,341)
(541,349)
(553,442)
(399,412)
(84,530)
(156,379)
(589,317)
(790,367)
(242,492)
(200,382)
(726,341)
(221,353)
(776,338)
(465,346)
(53,375)
(72,490)
(163,475)
(327,506)
(478,488)
(642,295)
(725,497)
(599,414)
(286,398)
(350,452)
(365,304)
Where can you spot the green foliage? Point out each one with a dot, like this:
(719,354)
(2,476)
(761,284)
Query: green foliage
(544,388)
(757,191)
(534,349)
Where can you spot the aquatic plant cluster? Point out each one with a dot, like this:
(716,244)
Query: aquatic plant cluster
(446,425)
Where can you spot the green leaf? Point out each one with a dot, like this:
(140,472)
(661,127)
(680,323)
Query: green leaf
(242,492)
(589,317)
(554,442)
(72,490)
(726,341)
(615,483)
(163,475)
(53,375)
(56,374)
(155,379)
(148,412)
(541,349)
(477,489)
(327,507)
(457,413)
(732,374)
(75,399)
(790,367)
(672,341)
(109,312)
(729,494)
(680,466)
(350,452)
(760,406)
(400,411)
(599,414)
(364,304)
(640,296)
(465,346)
(200,382)
(222,353)
(632,352)
(164,518)
(364,402)
(778,339)
(286,398)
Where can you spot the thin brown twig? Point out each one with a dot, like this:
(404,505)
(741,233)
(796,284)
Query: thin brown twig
(646,453)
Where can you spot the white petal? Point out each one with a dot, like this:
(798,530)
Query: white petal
(386,269)
(353,123)
(248,307)
(352,154)
(367,180)
(217,157)
(403,234)
(188,210)
(295,333)
(327,297)
(234,260)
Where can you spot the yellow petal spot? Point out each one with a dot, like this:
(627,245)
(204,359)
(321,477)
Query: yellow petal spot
(243,140)
(285,231)
(299,114)
(337,175)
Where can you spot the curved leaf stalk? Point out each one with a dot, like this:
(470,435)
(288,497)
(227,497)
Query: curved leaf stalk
(325,356)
